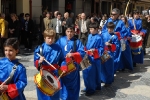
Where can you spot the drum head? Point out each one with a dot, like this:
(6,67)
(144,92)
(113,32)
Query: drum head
(51,79)
(136,38)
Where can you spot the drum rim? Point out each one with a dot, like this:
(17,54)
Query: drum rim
(35,81)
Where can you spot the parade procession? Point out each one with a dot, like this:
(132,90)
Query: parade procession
(69,50)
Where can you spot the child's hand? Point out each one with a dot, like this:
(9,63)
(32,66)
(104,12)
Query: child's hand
(69,55)
(41,59)
(3,88)
(107,44)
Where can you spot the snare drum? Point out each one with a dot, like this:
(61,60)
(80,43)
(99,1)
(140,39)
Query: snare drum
(105,57)
(70,65)
(136,44)
(4,96)
(85,63)
(47,82)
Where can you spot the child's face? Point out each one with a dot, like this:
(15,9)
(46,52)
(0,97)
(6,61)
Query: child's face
(110,30)
(70,33)
(10,52)
(93,31)
(49,40)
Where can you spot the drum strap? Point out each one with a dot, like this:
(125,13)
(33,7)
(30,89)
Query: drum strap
(41,53)
(134,24)
(74,45)
(12,73)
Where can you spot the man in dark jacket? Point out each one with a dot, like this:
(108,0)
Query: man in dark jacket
(28,31)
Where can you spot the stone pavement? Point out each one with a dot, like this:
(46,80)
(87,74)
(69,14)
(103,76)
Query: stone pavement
(127,85)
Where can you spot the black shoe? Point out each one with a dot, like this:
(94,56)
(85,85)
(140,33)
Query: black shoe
(107,85)
(83,91)
(89,94)
(134,64)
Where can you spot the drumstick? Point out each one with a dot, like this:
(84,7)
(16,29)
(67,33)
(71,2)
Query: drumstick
(46,61)
(69,51)
(61,75)
(5,81)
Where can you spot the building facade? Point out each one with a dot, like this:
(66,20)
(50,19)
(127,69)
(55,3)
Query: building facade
(36,7)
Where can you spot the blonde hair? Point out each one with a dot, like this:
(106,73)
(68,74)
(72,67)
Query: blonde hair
(49,33)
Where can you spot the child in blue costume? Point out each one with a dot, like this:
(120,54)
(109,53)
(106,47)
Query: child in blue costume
(53,54)
(74,49)
(94,48)
(14,89)
(136,24)
(111,44)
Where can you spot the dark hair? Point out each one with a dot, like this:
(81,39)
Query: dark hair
(136,12)
(21,15)
(12,42)
(94,25)
(27,14)
(70,27)
(58,13)
(110,25)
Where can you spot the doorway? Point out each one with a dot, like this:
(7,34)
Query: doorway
(70,6)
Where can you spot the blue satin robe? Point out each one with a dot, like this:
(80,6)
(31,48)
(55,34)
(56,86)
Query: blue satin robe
(120,27)
(107,70)
(138,23)
(126,56)
(92,75)
(71,82)
(52,54)
(19,80)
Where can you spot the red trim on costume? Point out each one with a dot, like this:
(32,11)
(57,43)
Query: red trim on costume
(118,35)
(135,32)
(77,57)
(113,47)
(85,49)
(68,59)
(135,44)
(143,34)
(12,91)
(96,54)
(64,68)
(37,63)
(90,53)
(48,67)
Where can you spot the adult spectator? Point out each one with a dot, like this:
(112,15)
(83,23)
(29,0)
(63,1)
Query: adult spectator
(46,21)
(14,26)
(67,21)
(84,28)
(57,24)
(2,30)
(28,32)
(21,20)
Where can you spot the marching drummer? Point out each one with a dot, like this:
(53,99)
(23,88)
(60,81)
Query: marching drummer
(111,44)
(73,50)
(53,54)
(94,49)
(136,28)
(13,85)
(120,31)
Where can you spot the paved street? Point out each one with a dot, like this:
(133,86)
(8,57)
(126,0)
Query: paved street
(127,85)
